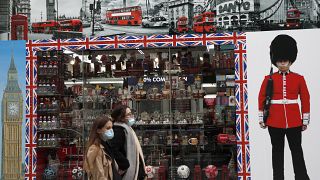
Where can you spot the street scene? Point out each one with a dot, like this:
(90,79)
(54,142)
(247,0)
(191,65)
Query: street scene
(67,19)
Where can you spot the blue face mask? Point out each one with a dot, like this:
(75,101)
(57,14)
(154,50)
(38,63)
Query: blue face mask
(107,135)
(131,121)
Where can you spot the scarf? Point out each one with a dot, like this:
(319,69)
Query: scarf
(133,150)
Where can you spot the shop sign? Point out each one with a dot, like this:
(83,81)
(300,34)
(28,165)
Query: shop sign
(154,79)
(162,79)
(232,7)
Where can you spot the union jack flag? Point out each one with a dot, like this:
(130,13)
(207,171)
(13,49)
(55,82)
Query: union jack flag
(159,40)
(239,158)
(34,102)
(189,40)
(238,98)
(35,72)
(130,41)
(26,160)
(246,127)
(27,102)
(28,73)
(248,165)
(72,44)
(44,42)
(34,160)
(238,127)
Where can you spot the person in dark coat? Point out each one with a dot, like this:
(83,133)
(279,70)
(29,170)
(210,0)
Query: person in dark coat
(125,145)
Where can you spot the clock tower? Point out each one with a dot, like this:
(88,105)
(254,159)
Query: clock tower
(12,116)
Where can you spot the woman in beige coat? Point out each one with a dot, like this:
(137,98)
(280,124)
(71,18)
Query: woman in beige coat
(99,163)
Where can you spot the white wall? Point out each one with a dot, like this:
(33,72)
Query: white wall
(307,64)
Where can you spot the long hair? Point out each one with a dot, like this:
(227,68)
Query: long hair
(119,113)
(94,137)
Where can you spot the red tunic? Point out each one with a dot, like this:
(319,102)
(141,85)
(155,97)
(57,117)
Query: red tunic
(288,86)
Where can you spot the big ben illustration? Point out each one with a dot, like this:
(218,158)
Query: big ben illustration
(12,116)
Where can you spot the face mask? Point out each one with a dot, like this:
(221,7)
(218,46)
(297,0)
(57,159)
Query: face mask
(107,135)
(131,121)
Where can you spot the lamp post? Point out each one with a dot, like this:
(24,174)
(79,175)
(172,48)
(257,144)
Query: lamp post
(239,4)
(57,10)
(93,9)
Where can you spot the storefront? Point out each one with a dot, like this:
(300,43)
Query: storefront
(187,93)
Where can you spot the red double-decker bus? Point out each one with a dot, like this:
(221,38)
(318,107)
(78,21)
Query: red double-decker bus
(293,19)
(71,25)
(129,16)
(45,27)
(182,24)
(204,23)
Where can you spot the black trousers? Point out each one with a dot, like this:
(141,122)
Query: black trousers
(294,139)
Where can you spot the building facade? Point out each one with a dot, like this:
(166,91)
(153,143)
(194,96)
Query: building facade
(179,8)
(5,14)
(228,13)
(12,116)
(51,11)
(315,11)
(199,7)
(25,9)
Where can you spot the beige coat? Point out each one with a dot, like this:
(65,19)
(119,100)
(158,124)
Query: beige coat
(98,164)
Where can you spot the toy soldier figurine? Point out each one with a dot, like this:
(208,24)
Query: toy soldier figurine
(282,115)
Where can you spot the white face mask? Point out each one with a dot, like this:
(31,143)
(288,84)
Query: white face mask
(107,135)
(131,121)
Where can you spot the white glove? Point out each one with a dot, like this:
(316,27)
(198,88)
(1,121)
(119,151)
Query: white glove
(261,123)
(306,119)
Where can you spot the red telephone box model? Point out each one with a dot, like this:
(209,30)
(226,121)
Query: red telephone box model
(19,27)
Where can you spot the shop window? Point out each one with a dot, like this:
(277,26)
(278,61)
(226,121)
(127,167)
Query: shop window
(183,100)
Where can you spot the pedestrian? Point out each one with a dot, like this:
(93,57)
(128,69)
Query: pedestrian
(126,146)
(99,162)
(284,117)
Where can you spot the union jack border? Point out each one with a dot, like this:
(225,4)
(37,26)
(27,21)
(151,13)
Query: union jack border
(146,41)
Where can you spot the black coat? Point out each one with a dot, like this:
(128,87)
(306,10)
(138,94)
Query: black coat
(118,147)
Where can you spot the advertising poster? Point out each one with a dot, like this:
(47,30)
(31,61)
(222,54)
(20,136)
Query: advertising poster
(306,64)
(12,94)
(65,19)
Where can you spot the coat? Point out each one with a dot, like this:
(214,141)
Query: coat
(98,164)
(288,86)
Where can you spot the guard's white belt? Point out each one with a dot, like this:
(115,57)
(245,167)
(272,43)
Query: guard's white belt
(284,101)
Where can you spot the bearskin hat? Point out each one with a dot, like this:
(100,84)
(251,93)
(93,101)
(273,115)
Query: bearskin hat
(283,47)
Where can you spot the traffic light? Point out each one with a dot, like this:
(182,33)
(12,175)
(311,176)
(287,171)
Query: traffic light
(98,7)
(91,7)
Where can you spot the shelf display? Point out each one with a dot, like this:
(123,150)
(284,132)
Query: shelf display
(186,128)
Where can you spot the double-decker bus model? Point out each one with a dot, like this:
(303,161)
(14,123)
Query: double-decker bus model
(293,19)
(204,23)
(71,25)
(129,16)
(182,25)
(45,27)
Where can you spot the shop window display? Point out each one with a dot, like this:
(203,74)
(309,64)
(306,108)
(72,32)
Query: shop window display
(183,99)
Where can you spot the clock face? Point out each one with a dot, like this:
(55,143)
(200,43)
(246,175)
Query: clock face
(13,108)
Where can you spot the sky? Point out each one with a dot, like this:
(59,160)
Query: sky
(72,7)
(19,51)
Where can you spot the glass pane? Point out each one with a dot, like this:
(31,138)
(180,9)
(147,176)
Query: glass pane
(182,98)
